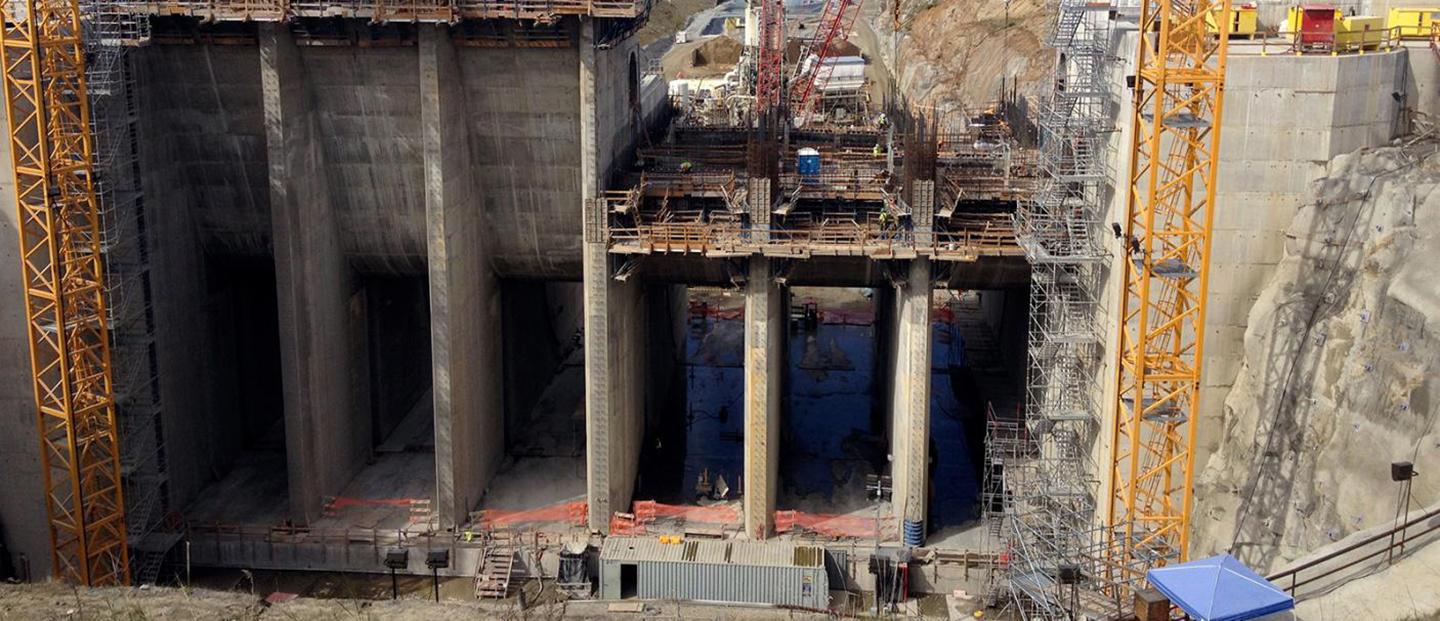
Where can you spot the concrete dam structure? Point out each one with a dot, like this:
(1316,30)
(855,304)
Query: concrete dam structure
(564,293)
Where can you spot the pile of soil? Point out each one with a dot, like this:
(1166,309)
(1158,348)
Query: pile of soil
(717,51)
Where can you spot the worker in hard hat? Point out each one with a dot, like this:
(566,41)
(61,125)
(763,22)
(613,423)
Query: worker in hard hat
(884,223)
(685,166)
(878,150)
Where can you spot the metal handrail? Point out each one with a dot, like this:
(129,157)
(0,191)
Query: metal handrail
(437,11)
(1405,536)
(1334,43)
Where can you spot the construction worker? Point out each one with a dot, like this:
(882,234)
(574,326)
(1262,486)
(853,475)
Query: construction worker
(884,220)
(878,150)
(685,166)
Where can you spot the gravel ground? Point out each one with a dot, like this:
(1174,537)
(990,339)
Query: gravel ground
(54,601)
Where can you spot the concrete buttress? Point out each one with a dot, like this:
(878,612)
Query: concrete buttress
(615,327)
(910,409)
(464,293)
(766,317)
(322,366)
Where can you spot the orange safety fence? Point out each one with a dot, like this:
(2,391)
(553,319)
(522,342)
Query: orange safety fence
(567,512)
(647,511)
(625,524)
(831,525)
(699,308)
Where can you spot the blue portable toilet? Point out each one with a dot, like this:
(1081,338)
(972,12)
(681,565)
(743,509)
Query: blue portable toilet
(808,163)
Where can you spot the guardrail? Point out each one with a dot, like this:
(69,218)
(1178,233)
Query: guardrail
(1275,41)
(867,239)
(437,11)
(1354,554)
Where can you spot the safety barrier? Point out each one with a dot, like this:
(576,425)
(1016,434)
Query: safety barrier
(1359,42)
(1356,553)
(437,11)
(851,239)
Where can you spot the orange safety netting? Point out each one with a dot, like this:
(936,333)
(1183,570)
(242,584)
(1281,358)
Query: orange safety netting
(342,502)
(829,525)
(568,512)
(649,510)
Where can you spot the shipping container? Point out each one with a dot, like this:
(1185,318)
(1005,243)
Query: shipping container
(708,570)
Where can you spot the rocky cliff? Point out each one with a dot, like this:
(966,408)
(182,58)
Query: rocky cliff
(954,53)
(1339,378)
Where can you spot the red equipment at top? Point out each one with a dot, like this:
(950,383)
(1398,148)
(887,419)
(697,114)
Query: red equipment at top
(814,73)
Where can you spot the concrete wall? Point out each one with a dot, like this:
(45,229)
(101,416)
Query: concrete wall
(367,109)
(524,125)
(23,528)
(1284,118)
(202,152)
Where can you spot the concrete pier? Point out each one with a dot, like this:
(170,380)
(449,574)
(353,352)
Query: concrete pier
(766,320)
(615,315)
(320,310)
(464,293)
(910,405)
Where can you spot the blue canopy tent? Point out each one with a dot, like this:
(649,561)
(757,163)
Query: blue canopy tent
(1219,588)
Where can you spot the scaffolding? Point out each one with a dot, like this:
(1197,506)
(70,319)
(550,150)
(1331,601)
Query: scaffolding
(109,34)
(1041,493)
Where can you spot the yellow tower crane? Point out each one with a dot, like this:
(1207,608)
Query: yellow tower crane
(60,244)
(1178,92)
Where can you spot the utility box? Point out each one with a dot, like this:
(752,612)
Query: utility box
(1412,22)
(1314,27)
(1244,20)
(1360,32)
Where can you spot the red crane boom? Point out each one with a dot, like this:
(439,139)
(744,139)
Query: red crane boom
(814,73)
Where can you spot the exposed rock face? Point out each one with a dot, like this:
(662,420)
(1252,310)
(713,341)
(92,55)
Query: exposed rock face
(953,53)
(1341,357)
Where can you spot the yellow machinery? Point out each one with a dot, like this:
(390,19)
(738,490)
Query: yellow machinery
(60,229)
(1170,207)
(1244,20)
(1412,22)
(1361,32)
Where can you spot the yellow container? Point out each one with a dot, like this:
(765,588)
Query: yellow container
(1412,23)
(1360,32)
(1244,21)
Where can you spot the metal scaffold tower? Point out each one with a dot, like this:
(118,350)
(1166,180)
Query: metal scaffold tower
(109,34)
(1043,487)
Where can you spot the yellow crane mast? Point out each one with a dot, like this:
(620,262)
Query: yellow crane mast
(1178,92)
(60,242)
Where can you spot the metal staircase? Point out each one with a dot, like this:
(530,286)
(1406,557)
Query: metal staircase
(1046,477)
(497,566)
